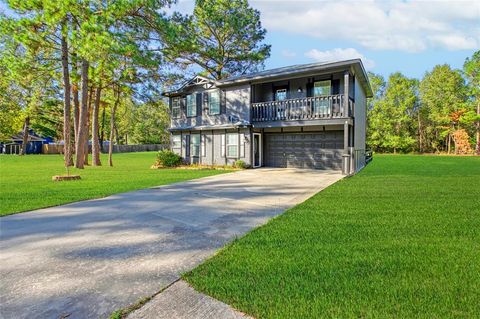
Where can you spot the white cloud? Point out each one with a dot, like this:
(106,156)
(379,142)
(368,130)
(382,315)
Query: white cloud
(410,26)
(288,54)
(339,54)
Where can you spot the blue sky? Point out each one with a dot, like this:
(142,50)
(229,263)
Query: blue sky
(406,36)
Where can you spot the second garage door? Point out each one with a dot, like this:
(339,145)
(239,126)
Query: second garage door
(320,150)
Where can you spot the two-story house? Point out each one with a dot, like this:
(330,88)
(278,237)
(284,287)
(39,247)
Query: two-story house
(302,116)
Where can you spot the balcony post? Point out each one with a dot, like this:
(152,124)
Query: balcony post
(346,91)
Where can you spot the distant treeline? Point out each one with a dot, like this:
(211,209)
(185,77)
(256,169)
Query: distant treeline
(439,113)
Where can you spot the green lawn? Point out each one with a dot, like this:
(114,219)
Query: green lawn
(399,240)
(26,181)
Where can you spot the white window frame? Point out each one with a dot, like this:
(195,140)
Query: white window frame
(232,146)
(203,140)
(191,102)
(210,99)
(195,146)
(283,91)
(176,107)
(177,145)
(322,106)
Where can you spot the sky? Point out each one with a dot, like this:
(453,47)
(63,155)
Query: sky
(407,36)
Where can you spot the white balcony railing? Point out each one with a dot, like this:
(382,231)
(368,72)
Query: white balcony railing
(310,108)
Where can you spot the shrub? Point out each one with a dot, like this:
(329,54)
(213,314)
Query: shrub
(240,164)
(167,158)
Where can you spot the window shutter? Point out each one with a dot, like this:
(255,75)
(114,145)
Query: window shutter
(242,145)
(182,144)
(199,104)
(223,145)
(309,89)
(223,102)
(187,145)
(335,87)
(202,141)
(170,99)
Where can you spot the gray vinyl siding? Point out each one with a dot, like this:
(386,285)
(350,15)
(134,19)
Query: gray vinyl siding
(213,147)
(360,125)
(237,101)
(264,92)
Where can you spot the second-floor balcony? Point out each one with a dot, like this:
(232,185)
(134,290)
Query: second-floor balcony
(309,108)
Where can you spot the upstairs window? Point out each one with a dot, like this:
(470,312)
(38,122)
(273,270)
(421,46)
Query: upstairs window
(322,89)
(191,106)
(280,94)
(214,103)
(175,107)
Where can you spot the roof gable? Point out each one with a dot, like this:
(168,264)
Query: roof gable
(198,80)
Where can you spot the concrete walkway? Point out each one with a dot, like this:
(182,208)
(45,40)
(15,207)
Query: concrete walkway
(87,259)
(180,301)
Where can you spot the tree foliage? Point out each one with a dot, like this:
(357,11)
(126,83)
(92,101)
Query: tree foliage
(390,119)
(441,113)
(222,37)
(471,70)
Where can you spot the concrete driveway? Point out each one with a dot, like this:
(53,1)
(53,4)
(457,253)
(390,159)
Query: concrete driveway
(87,259)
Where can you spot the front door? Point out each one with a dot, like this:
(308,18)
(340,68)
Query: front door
(257,149)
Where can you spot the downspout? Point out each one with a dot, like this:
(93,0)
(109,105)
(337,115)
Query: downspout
(345,155)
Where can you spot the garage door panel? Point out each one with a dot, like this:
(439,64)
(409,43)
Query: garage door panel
(321,150)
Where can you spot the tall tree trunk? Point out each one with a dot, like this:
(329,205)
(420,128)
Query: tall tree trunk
(95,144)
(112,127)
(102,136)
(117,136)
(67,147)
(75,89)
(448,143)
(89,112)
(76,102)
(76,109)
(26,124)
(82,119)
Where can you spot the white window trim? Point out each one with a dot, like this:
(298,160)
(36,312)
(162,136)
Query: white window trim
(281,90)
(242,145)
(176,100)
(323,81)
(210,102)
(192,145)
(194,105)
(203,149)
(235,144)
(223,145)
(179,148)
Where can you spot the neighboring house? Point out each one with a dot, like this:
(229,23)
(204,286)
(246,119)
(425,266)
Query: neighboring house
(302,116)
(14,144)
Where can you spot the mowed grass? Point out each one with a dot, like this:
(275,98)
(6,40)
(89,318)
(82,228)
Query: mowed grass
(26,181)
(399,240)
